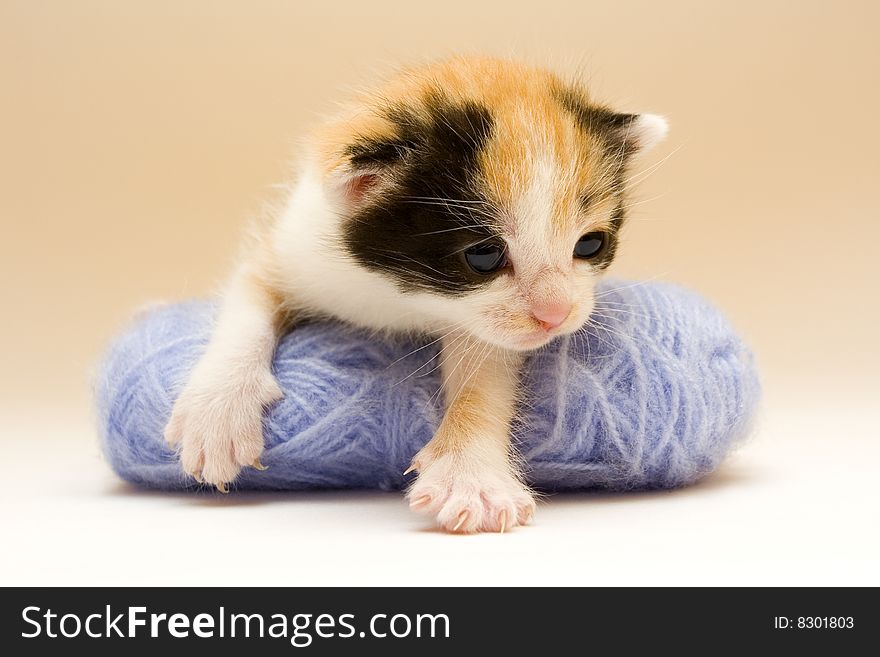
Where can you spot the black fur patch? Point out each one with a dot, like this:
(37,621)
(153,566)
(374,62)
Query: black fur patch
(609,126)
(418,231)
(378,153)
(607,256)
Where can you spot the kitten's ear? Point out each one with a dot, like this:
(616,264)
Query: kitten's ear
(355,186)
(369,166)
(645,131)
(631,133)
(638,133)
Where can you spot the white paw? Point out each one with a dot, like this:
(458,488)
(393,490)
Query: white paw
(467,496)
(217,424)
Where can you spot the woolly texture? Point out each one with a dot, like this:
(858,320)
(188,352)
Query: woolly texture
(652,394)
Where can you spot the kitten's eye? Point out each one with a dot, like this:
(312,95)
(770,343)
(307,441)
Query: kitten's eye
(590,245)
(486,257)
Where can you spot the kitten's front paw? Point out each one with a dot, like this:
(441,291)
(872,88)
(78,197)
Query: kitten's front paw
(466,496)
(217,425)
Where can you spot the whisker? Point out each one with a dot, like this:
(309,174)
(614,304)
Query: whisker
(605,293)
(457,251)
(597,336)
(446,200)
(649,171)
(425,346)
(481,357)
(445,230)
(439,392)
(422,366)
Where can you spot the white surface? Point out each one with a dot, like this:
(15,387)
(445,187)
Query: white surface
(798,505)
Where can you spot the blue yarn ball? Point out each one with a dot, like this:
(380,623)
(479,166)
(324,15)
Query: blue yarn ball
(652,394)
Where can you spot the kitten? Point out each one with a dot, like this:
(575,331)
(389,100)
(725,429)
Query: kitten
(474,199)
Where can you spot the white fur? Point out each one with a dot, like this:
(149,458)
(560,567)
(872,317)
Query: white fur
(649,130)
(468,496)
(217,419)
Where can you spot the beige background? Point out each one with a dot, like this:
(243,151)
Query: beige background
(137,138)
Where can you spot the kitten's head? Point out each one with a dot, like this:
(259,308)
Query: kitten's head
(493,190)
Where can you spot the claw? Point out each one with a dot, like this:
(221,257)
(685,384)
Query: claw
(420,501)
(198,477)
(259,466)
(411,468)
(503,521)
(222,487)
(461,519)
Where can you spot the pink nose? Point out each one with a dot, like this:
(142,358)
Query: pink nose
(551,315)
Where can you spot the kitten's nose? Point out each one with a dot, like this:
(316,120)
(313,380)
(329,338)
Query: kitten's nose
(551,315)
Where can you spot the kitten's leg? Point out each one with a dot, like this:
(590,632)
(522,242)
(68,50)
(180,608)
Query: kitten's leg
(467,476)
(218,418)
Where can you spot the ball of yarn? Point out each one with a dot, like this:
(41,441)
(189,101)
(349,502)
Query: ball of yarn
(652,393)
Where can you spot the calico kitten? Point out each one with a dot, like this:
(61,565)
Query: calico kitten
(474,199)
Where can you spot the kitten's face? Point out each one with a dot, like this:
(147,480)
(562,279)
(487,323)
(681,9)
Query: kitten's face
(493,188)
